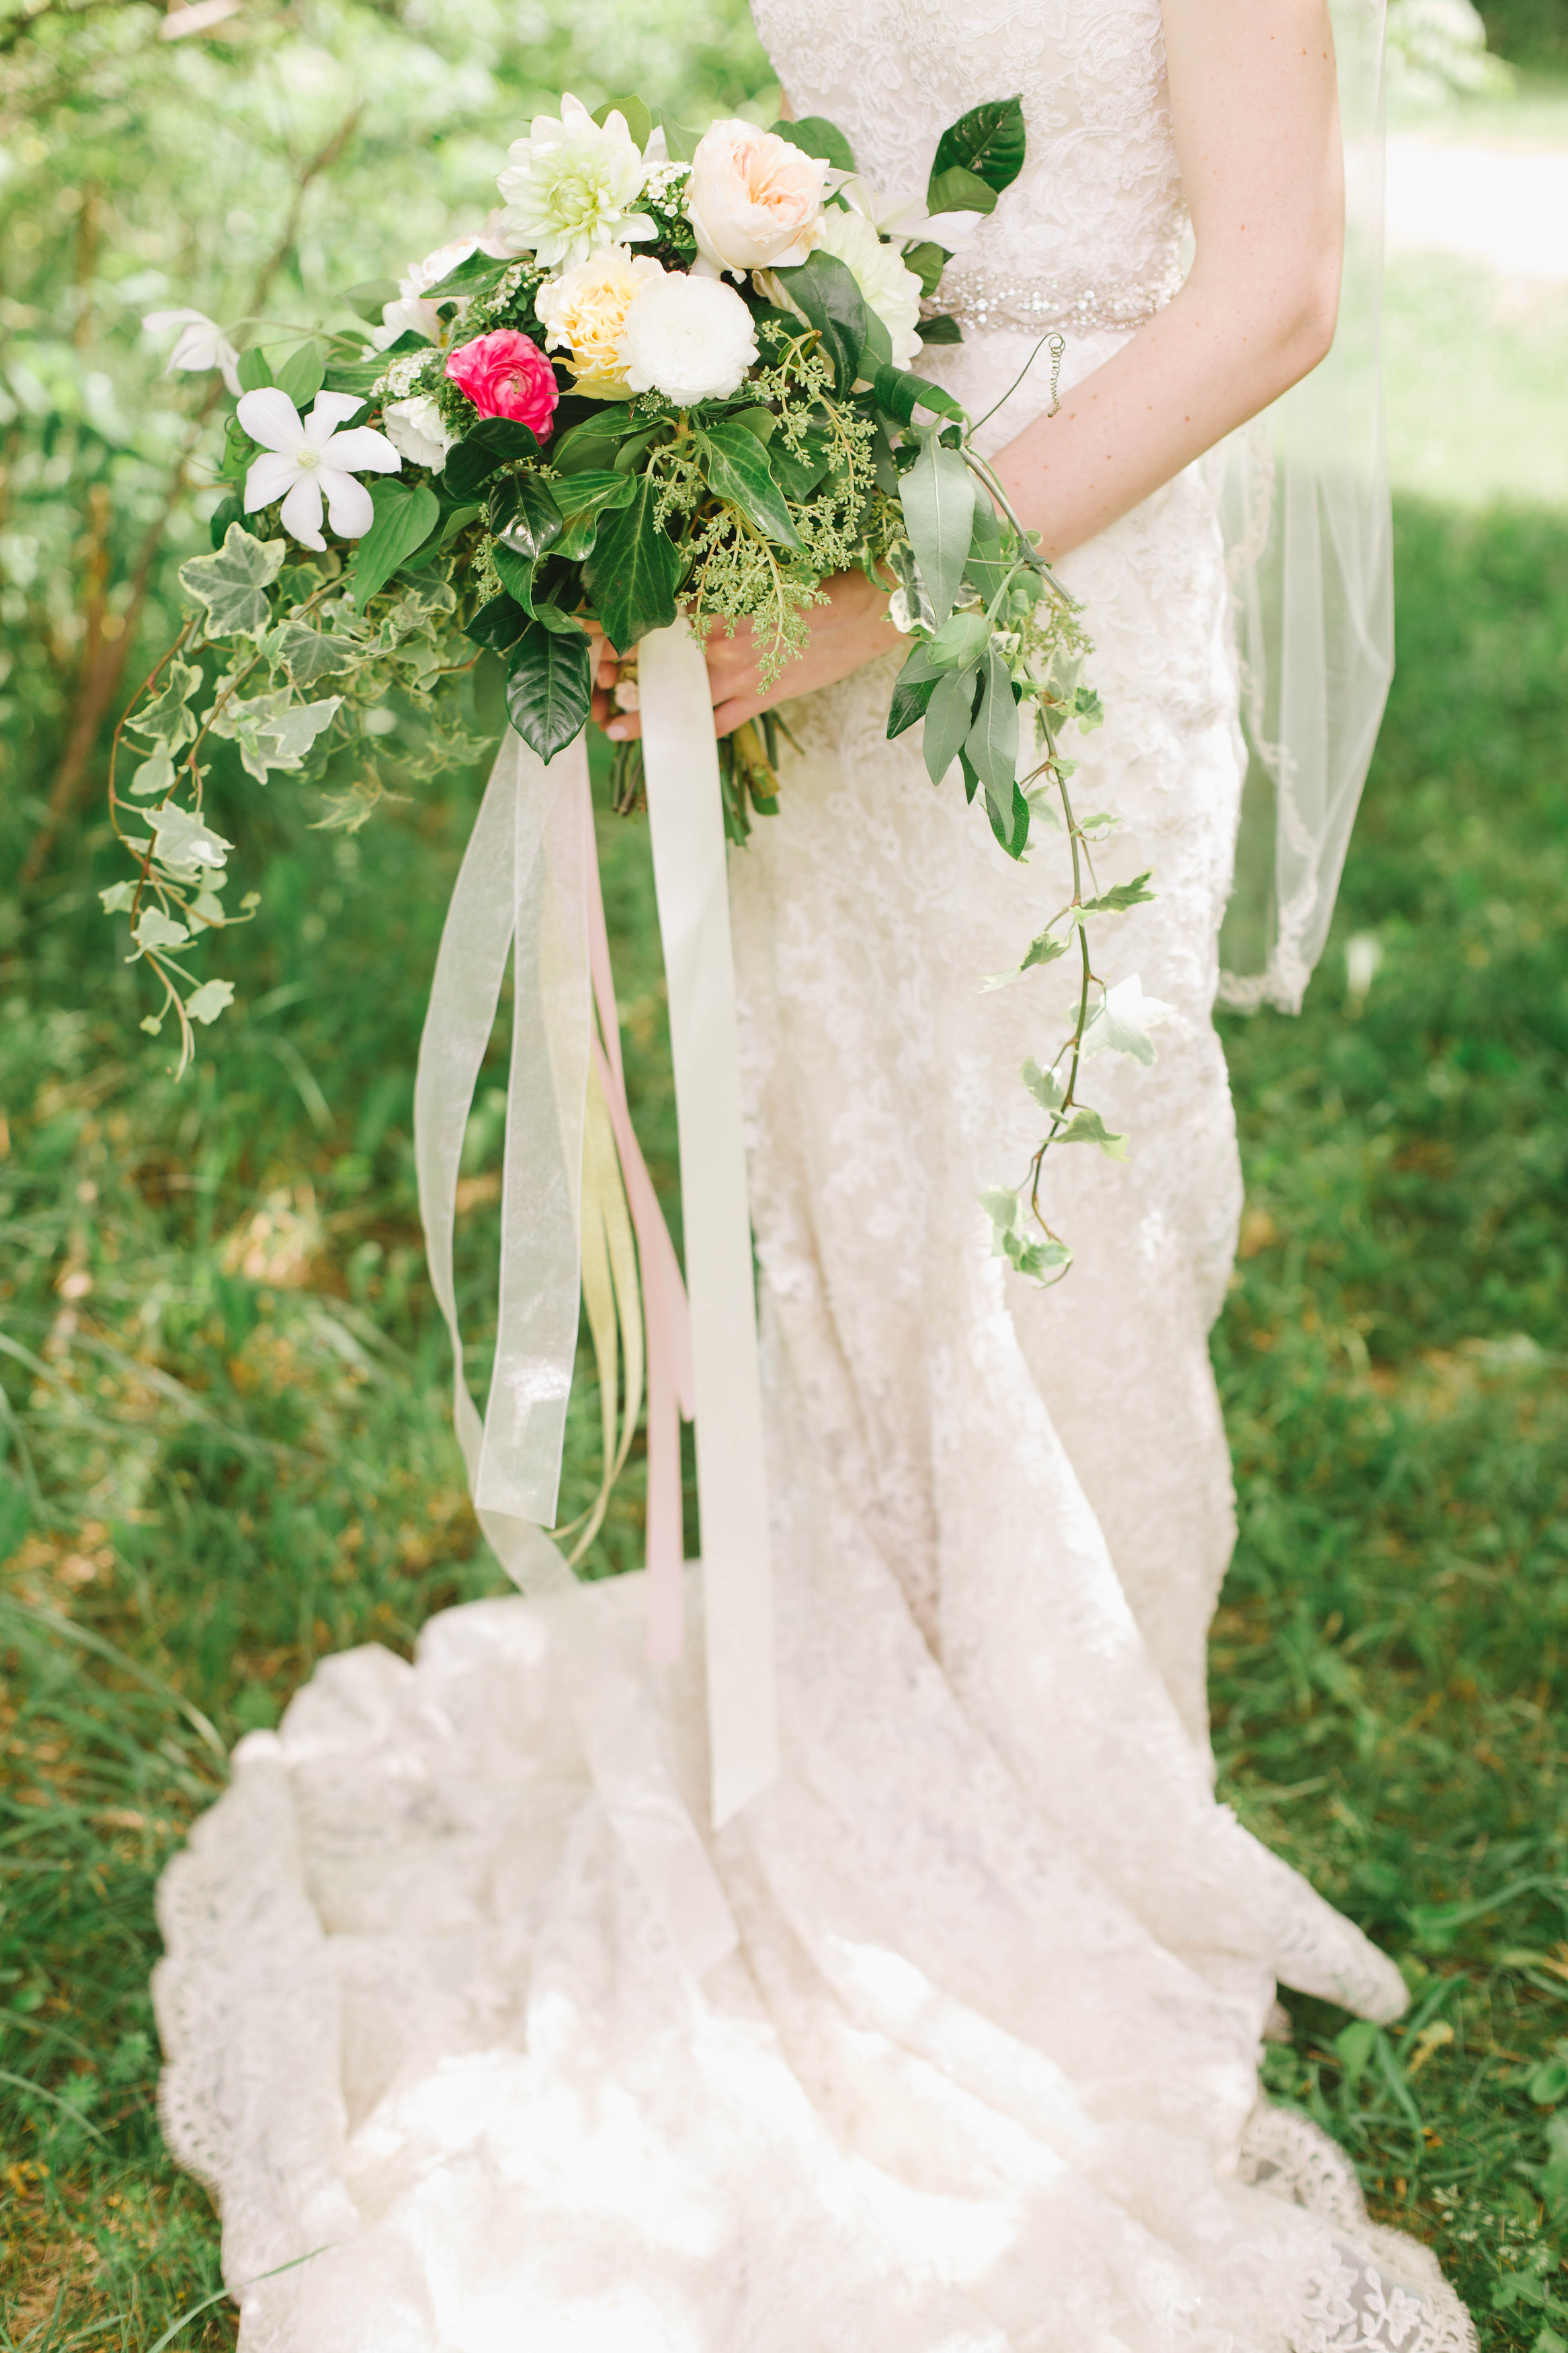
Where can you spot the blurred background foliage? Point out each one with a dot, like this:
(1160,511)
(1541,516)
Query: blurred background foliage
(226,1447)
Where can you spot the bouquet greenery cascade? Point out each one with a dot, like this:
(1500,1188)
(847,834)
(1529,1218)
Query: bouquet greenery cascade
(675,377)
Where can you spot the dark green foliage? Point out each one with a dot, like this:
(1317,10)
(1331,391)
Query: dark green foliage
(633,571)
(550,680)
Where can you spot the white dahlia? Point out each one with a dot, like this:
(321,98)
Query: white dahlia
(572,185)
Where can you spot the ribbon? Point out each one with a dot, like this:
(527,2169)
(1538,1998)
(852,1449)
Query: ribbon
(529,885)
(525,879)
(681,765)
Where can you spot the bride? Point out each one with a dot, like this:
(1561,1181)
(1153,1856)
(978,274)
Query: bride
(978,2073)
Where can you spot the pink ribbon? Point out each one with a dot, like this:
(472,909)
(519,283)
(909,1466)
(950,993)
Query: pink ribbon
(667,1316)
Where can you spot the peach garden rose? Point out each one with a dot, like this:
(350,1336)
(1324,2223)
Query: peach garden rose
(753,201)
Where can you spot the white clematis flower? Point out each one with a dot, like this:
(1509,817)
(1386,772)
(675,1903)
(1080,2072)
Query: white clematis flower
(306,461)
(200,346)
(572,184)
(1122,1019)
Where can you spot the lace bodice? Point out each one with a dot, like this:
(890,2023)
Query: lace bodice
(1097,210)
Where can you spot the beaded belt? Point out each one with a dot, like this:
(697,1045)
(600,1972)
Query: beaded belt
(978,298)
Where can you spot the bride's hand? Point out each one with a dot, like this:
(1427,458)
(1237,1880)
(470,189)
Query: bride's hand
(850,629)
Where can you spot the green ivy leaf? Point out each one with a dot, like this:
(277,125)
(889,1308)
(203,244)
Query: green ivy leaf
(823,290)
(231,583)
(473,275)
(736,465)
(989,140)
(498,625)
(822,140)
(550,687)
(524,513)
(591,447)
(406,515)
(634,571)
(583,499)
(493,442)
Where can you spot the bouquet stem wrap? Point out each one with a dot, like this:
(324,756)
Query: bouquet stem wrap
(529,887)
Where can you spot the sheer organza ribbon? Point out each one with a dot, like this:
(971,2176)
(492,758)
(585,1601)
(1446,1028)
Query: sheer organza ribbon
(529,887)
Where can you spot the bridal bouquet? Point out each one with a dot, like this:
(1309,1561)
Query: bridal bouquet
(673,378)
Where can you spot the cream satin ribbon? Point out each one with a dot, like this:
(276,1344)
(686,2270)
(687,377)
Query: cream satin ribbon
(529,877)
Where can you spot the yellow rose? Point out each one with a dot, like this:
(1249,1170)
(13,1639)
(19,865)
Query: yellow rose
(584,313)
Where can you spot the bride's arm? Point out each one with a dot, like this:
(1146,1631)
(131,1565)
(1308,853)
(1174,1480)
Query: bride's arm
(1253,108)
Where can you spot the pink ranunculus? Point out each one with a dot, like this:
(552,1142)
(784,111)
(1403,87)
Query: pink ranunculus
(505,374)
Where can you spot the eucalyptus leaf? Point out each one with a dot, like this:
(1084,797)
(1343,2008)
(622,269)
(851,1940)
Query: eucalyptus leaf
(911,699)
(960,641)
(938,498)
(736,465)
(549,687)
(899,393)
(992,750)
(230,583)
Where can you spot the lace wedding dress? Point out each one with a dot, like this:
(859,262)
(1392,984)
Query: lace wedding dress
(981,2076)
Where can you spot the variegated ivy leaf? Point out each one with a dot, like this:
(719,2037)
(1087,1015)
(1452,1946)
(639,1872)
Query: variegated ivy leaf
(1087,1127)
(230,585)
(1088,710)
(118,898)
(154,776)
(186,842)
(1121,1021)
(306,655)
(272,731)
(168,719)
(206,1003)
(1043,1085)
(1002,1208)
(156,929)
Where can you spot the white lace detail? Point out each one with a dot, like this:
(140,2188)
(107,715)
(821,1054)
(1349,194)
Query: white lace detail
(983,2077)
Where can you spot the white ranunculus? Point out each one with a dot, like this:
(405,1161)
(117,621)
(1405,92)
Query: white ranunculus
(414,429)
(690,338)
(200,345)
(890,290)
(572,185)
(753,201)
(306,461)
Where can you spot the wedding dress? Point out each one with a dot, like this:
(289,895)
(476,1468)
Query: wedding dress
(982,2073)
